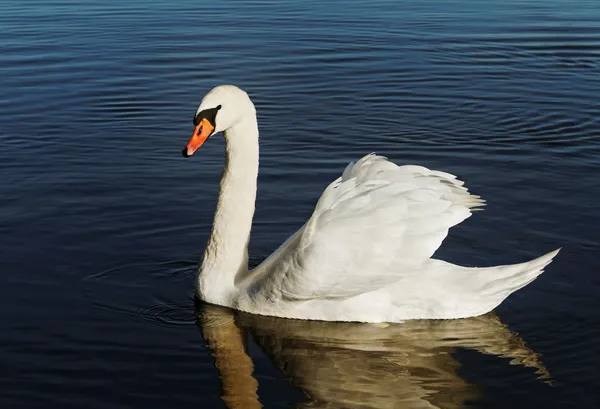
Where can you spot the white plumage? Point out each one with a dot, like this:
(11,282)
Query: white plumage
(364,254)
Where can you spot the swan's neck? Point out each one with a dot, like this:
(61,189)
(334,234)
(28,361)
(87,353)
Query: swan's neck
(226,254)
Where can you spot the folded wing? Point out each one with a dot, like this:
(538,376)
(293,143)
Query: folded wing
(374,225)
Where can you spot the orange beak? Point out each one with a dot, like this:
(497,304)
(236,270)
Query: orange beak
(203,130)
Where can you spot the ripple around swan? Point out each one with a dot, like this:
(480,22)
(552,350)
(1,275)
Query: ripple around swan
(141,277)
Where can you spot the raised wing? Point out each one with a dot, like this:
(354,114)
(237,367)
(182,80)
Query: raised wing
(374,225)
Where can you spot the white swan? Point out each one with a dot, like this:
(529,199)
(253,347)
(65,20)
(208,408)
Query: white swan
(364,254)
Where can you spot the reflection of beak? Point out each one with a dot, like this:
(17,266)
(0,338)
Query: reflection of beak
(203,130)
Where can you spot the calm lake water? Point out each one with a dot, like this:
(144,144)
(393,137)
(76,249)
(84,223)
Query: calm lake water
(102,221)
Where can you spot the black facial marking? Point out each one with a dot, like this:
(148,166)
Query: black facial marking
(210,114)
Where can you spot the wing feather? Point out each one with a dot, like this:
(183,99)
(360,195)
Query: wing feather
(373,226)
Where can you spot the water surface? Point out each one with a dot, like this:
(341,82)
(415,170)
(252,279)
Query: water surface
(102,221)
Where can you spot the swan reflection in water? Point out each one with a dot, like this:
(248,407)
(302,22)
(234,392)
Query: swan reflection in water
(352,365)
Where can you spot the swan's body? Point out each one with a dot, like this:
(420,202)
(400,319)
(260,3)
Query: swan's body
(365,253)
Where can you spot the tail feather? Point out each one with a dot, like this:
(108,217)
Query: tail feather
(504,280)
(471,291)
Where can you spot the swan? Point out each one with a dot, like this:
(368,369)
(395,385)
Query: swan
(365,253)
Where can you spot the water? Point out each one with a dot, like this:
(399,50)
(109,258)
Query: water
(102,221)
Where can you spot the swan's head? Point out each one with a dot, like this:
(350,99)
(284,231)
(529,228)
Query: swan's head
(222,108)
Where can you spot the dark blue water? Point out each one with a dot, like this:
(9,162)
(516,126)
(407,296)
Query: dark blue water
(102,221)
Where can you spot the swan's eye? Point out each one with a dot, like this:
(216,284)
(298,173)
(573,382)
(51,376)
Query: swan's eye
(210,114)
